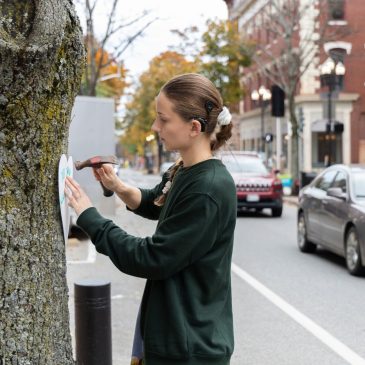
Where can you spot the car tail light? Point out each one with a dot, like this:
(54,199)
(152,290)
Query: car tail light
(277,185)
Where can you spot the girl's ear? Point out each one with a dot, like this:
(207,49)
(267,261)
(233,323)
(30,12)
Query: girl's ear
(196,126)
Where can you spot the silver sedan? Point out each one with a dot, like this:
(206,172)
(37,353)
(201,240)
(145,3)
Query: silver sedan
(331,213)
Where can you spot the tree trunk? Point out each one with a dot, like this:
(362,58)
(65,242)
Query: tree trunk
(41,59)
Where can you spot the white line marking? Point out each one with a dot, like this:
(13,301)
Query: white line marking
(333,343)
(117,296)
(91,256)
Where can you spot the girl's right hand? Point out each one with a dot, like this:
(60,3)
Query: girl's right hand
(107,176)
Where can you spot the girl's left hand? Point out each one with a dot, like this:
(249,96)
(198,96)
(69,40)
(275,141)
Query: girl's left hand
(77,198)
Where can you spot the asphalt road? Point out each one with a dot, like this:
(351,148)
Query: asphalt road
(309,310)
(289,307)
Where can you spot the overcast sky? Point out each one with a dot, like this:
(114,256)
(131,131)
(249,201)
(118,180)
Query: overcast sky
(172,14)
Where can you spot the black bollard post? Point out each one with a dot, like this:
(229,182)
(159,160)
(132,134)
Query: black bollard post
(93,323)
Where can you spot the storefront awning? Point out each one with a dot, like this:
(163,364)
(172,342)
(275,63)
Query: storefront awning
(319,125)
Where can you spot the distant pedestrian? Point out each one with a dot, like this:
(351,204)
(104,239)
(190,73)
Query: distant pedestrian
(185,316)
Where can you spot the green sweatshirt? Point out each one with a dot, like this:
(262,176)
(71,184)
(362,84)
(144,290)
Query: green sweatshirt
(186,313)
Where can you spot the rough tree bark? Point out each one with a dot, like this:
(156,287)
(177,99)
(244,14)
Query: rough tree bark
(41,59)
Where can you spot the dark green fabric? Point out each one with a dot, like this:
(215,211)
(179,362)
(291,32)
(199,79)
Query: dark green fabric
(186,307)
(146,209)
(191,361)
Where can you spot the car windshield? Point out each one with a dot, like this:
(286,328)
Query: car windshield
(246,165)
(359,184)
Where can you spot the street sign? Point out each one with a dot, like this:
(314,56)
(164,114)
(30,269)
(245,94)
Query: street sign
(269,137)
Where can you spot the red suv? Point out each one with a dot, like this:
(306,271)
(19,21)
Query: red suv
(257,188)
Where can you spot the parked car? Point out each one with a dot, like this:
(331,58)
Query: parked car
(331,213)
(257,187)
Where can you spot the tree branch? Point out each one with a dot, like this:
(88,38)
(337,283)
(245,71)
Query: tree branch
(130,40)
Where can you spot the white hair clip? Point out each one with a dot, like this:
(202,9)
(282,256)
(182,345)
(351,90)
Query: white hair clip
(224,117)
(167,187)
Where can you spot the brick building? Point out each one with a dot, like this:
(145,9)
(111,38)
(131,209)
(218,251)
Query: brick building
(311,100)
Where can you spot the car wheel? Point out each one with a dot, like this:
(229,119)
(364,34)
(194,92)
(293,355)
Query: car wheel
(303,243)
(353,256)
(277,212)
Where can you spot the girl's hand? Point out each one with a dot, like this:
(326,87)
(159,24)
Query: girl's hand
(107,176)
(77,199)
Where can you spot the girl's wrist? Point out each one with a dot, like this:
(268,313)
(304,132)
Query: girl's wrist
(121,188)
(82,210)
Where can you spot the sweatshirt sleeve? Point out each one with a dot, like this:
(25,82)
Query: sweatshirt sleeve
(147,208)
(187,234)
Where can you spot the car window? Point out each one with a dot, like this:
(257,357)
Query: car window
(359,184)
(340,181)
(325,181)
(246,165)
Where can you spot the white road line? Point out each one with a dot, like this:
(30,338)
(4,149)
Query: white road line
(117,296)
(321,334)
(91,256)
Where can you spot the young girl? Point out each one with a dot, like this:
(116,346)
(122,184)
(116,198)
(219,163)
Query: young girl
(186,310)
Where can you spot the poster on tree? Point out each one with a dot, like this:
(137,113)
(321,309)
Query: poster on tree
(65,168)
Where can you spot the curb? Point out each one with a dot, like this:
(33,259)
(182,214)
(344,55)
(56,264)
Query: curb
(291,201)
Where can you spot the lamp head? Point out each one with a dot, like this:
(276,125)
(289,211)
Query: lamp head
(328,66)
(255,95)
(262,90)
(340,69)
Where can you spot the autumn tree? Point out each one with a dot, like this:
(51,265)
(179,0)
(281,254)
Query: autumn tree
(105,50)
(112,81)
(224,54)
(141,110)
(220,52)
(41,58)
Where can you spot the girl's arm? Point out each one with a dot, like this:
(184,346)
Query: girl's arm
(140,201)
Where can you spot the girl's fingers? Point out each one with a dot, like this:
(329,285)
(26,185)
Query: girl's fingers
(73,186)
(70,198)
(96,174)
(70,186)
(101,171)
(72,181)
(108,168)
(67,193)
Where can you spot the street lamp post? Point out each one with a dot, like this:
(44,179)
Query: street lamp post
(148,153)
(332,77)
(262,96)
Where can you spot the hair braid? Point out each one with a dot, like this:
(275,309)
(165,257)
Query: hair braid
(160,201)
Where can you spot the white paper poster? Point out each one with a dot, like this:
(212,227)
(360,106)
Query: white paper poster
(65,168)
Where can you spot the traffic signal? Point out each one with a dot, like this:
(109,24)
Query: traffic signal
(277,101)
(336,127)
(339,128)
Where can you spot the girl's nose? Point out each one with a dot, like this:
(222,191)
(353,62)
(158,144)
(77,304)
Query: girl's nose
(155,126)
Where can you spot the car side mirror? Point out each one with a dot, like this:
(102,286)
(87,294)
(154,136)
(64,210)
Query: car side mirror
(337,193)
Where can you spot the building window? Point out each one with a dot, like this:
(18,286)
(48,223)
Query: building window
(337,54)
(336,9)
(324,144)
